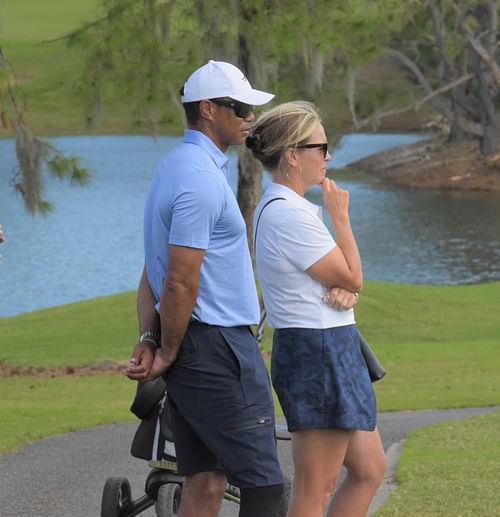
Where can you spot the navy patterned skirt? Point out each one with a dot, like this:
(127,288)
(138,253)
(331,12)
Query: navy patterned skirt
(321,379)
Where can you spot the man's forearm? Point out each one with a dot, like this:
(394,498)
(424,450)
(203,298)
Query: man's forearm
(149,319)
(176,309)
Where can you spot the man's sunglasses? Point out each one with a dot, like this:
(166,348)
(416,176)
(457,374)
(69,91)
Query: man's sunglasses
(323,147)
(240,109)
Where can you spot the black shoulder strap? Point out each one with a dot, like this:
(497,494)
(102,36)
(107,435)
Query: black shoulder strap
(260,327)
(258,218)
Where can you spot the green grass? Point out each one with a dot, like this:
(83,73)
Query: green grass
(77,334)
(34,407)
(449,469)
(47,71)
(25,20)
(440,345)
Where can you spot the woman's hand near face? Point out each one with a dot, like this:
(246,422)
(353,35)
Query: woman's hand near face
(341,267)
(336,200)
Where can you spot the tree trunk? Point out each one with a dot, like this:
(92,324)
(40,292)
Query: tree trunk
(489,91)
(249,189)
(457,132)
(249,169)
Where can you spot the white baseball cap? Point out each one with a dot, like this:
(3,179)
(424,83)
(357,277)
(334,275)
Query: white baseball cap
(219,79)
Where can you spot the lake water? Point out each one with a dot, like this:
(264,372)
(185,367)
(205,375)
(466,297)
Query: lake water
(91,245)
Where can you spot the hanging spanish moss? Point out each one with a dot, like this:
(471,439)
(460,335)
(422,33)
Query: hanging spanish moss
(32,153)
(29,156)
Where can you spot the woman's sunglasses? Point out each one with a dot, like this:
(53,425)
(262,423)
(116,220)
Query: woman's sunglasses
(241,110)
(323,147)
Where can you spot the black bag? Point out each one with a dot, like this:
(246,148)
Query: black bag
(147,395)
(153,439)
(375,369)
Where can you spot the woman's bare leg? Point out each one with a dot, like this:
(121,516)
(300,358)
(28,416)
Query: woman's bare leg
(366,464)
(317,455)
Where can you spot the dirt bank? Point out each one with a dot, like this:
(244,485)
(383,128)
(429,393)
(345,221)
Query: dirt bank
(435,164)
(101,368)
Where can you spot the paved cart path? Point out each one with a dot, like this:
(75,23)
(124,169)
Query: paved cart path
(63,476)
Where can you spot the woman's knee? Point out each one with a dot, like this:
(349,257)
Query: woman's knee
(371,471)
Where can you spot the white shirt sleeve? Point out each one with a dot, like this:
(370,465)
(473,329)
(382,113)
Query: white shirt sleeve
(303,238)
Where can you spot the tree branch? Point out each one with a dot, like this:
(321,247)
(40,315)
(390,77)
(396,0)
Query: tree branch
(416,105)
(412,66)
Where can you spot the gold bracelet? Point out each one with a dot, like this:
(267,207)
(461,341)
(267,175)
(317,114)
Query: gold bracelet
(357,296)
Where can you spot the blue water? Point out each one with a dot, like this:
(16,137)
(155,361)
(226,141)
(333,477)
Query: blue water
(91,245)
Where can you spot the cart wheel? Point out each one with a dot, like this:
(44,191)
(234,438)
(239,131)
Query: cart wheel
(116,496)
(168,500)
(285,497)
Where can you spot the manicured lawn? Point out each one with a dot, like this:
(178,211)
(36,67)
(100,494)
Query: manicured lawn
(449,469)
(81,333)
(48,71)
(35,407)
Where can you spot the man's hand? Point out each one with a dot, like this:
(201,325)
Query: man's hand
(340,299)
(140,362)
(146,363)
(160,364)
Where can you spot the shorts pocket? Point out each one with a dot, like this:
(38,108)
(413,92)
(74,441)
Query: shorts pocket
(250,424)
(253,374)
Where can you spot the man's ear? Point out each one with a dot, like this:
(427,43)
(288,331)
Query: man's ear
(206,110)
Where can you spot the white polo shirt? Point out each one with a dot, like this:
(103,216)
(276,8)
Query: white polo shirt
(291,237)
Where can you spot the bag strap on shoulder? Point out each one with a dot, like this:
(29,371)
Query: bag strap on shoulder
(260,328)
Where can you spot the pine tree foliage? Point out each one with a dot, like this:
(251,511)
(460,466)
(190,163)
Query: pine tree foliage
(33,153)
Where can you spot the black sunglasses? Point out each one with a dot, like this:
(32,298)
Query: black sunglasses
(323,147)
(241,110)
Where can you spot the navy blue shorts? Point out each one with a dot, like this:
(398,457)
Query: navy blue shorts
(321,379)
(222,407)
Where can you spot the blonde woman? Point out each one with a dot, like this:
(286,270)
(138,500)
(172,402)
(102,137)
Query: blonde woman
(317,368)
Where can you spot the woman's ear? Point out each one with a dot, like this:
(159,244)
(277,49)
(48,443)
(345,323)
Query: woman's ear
(291,157)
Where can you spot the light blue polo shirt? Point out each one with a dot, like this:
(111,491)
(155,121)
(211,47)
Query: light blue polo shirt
(192,204)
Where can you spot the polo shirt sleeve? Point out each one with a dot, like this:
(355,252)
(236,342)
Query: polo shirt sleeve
(195,210)
(303,238)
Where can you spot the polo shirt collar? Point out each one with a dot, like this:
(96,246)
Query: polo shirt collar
(278,190)
(193,136)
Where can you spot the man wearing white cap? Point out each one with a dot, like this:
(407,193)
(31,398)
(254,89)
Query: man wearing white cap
(198,275)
